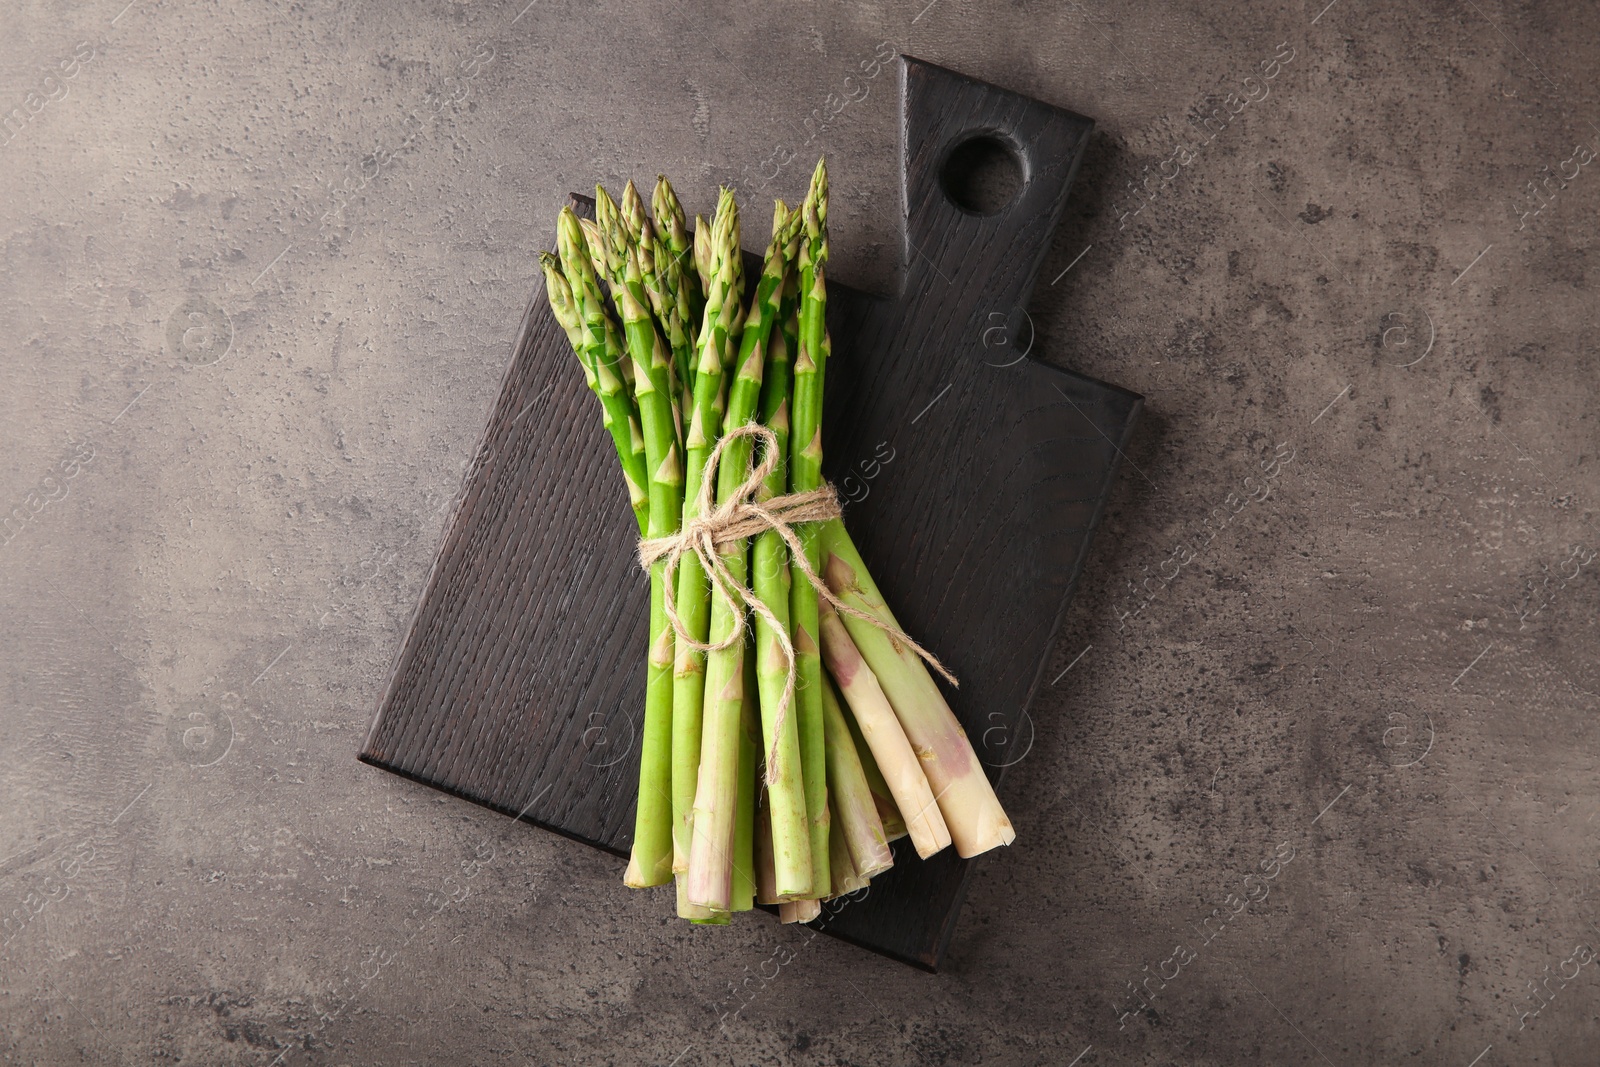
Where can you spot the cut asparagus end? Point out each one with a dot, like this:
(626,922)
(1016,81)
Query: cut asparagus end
(644,872)
(799,911)
(744,873)
(690,911)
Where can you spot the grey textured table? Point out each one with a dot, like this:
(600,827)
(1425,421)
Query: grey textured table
(1315,781)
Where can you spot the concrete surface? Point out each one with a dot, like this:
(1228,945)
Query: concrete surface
(235,416)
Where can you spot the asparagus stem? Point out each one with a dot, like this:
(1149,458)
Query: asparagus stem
(894,826)
(693,593)
(744,395)
(853,812)
(711,847)
(805,474)
(770,582)
(841,864)
(976,821)
(785,776)
(602,358)
(766,875)
(651,860)
(890,746)
(744,869)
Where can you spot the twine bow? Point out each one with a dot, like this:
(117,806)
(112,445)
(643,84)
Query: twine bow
(740,517)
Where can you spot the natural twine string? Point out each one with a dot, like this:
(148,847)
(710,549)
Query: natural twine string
(740,517)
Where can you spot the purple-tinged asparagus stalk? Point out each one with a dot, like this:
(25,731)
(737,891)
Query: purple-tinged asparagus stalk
(894,827)
(842,873)
(853,818)
(885,736)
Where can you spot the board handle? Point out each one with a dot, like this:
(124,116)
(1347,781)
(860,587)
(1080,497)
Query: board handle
(996,254)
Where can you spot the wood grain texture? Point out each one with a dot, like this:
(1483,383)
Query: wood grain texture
(520,683)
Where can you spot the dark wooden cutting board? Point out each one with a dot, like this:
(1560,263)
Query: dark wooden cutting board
(973,479)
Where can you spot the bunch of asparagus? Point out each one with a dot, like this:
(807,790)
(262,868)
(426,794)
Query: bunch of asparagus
(782,749)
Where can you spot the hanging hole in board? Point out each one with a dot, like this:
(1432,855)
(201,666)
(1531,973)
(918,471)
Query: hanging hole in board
(982,175)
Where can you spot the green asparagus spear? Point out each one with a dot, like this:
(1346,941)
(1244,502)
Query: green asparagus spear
(651,860)
(693,595)
(791,843)
(744,395)
(716,789)
(805,474)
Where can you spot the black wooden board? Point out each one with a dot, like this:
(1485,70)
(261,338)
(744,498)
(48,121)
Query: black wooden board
(973,477)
